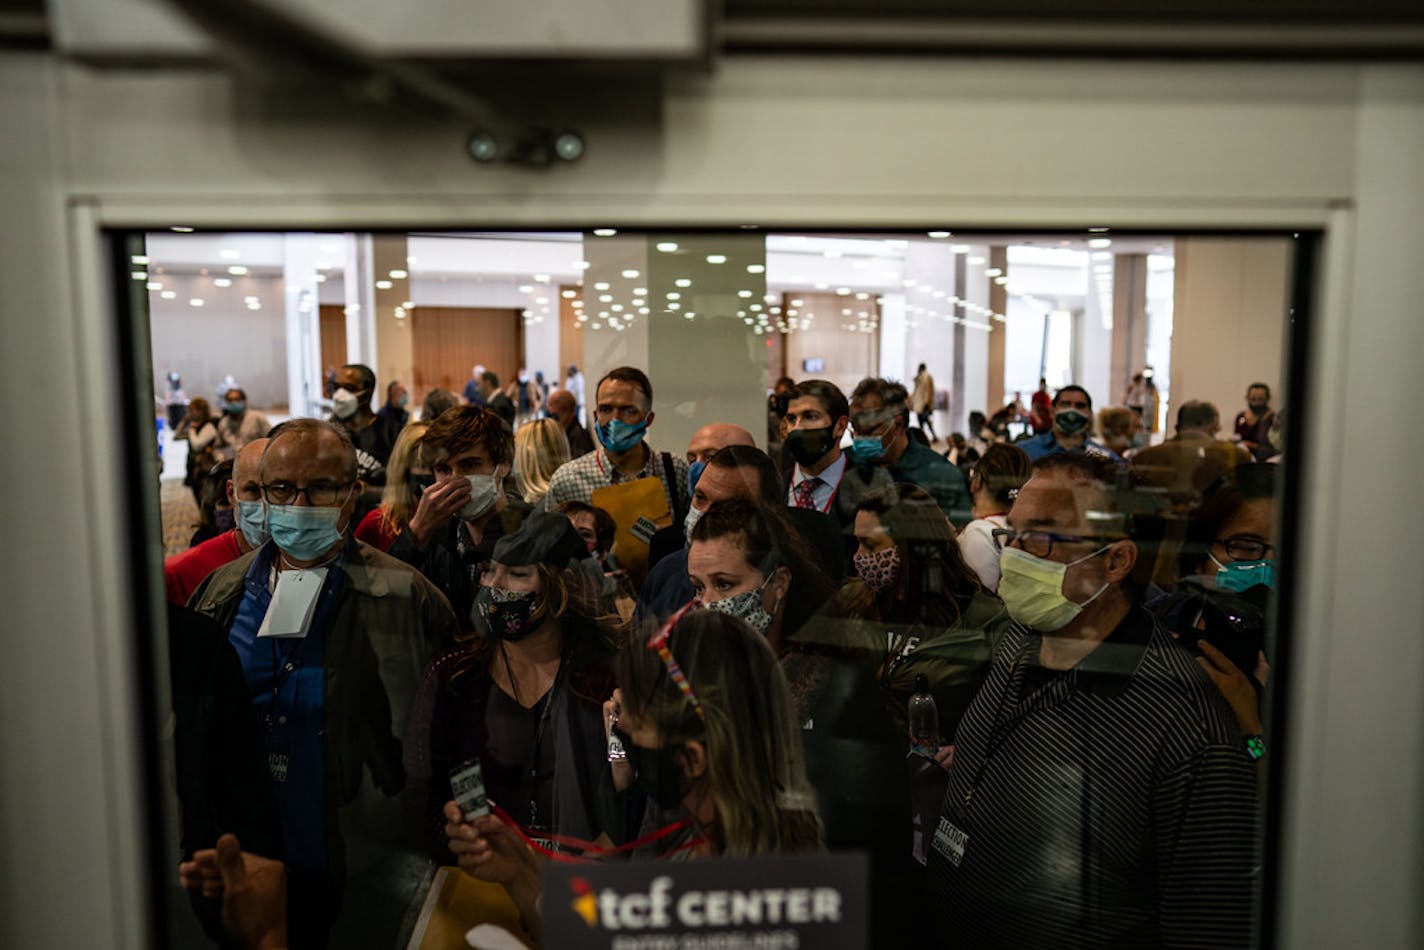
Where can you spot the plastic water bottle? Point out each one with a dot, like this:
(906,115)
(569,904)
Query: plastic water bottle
(924,719)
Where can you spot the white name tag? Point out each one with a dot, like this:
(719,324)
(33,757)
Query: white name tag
(950,841)
(293,603)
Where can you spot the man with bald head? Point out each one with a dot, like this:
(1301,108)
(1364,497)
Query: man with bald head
(333,637)
(707,442)
(182,573)
(562,406)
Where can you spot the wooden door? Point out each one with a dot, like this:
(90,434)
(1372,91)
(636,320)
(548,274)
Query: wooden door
(333,339)
(448,341)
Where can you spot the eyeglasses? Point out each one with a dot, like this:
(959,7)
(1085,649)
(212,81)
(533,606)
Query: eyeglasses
(320,495)
(1244,548)
(659,642)
(1040,543)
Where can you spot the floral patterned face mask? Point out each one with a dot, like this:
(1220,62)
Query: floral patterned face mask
(506,612)
(879,569)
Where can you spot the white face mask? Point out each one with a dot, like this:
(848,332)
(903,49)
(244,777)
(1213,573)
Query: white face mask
(344,403)
(484,492)
(693,515)
(1032,589)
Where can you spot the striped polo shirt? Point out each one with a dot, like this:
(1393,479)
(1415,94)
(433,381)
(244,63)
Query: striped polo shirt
(1107,806)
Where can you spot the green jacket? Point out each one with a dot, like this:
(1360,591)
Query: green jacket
(955,659)
(388,623)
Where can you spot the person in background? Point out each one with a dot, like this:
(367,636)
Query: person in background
(994,483)
(1122,431)
(542,387)
(199,429)
(937,617)
(525,694)
(474,395)
(495,400)
(182,573)
(1114,736)
(707,442)
(540,448)
(215,515)
(624,414)
(333,637)
(563,407)
(1253,424)
(458,519)
(1135,395)
(372,437)
(594,525)
(175,402)
(1041,417)
(525,396)
(407,476)
(1072,422)
(1194,458)
(880,417)
(960,454)
(922,401)
(394,413)
(720,743)
(574,383)
(238,424)
(776,404)
(436,402)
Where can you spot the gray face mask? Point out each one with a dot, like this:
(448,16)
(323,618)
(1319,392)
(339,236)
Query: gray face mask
(484,492)
(747,606)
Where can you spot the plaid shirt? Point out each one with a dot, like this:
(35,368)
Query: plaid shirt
(576,480)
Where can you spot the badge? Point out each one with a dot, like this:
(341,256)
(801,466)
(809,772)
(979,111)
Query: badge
(644,529)
(950,841)
(467,783)
(277,763)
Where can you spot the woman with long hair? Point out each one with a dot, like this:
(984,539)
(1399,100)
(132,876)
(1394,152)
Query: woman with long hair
(707,722)
(939,621)
(407,476)
(540,447)
(525,694)
(994,483)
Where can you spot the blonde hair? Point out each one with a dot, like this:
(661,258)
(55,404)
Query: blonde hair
(397,501)
(746,720)
(540,447)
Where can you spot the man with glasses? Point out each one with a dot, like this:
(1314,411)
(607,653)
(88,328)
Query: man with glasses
(333,637)
(880,418)
(1100,794)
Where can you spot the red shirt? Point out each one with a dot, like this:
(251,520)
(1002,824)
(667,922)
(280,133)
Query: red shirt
(182,573)
(370,531)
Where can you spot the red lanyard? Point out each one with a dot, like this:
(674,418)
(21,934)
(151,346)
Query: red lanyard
(589,848)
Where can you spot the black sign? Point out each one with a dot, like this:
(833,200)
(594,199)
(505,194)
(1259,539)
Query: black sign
(780,903)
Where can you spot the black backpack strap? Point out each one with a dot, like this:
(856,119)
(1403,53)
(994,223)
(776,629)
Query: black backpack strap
(679,511)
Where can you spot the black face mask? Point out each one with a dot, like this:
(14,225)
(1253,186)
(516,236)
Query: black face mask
(656,771)
(809,445)
(419,483)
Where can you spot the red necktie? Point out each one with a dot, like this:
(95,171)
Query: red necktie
(806,491)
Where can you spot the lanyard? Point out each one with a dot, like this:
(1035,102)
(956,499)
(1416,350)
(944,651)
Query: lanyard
(587,848)
(531,774)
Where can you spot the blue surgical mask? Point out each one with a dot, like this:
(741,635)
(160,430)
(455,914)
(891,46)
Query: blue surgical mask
(1244,575)
(694,472)
(302,532)
(619,437)
(252,519)
(866,448)
(236,406)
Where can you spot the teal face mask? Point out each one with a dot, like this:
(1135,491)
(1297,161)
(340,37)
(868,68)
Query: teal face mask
(252,519)
(867,448)
(1239,576)
(302,532)
(236,406)
(620,437)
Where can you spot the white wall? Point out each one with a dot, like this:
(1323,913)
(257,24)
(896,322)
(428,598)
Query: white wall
(1137,144)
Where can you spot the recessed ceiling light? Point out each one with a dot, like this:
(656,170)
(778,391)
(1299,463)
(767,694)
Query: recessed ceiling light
(667,247)
(155,285)
(139,275)
(604,232)
(756,268)
(140,259)
(168,294)
(938,235)
(568,294)
(195,302)
(181,229)
(384,285)
(237,270)
(716,258)
(222,282)
(744,293)
(399,274)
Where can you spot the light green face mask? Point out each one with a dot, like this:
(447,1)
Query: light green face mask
(1032,589)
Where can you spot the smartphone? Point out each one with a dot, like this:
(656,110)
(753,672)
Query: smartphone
(467,783)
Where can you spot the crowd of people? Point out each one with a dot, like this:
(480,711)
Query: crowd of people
(667,653)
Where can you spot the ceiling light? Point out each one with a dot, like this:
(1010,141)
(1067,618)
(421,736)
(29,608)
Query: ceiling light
(674,295)
(155,285)
(1100,243)
(938,235)
(842,291)
(862,296)
(604,232)
(674,306)
(237,270)
(399,274)
(139,259)
(744,293)
(195,302)
(756,268)
(1096,230)
(600,285)
(139,275)
(384,285)
(581,265)
(716,258)
(667,247)
(181,229)
(605,298)
(168,294)
(683,282)
(568,294)
(993,272)
(222,282)
(631,274)
(798,302)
